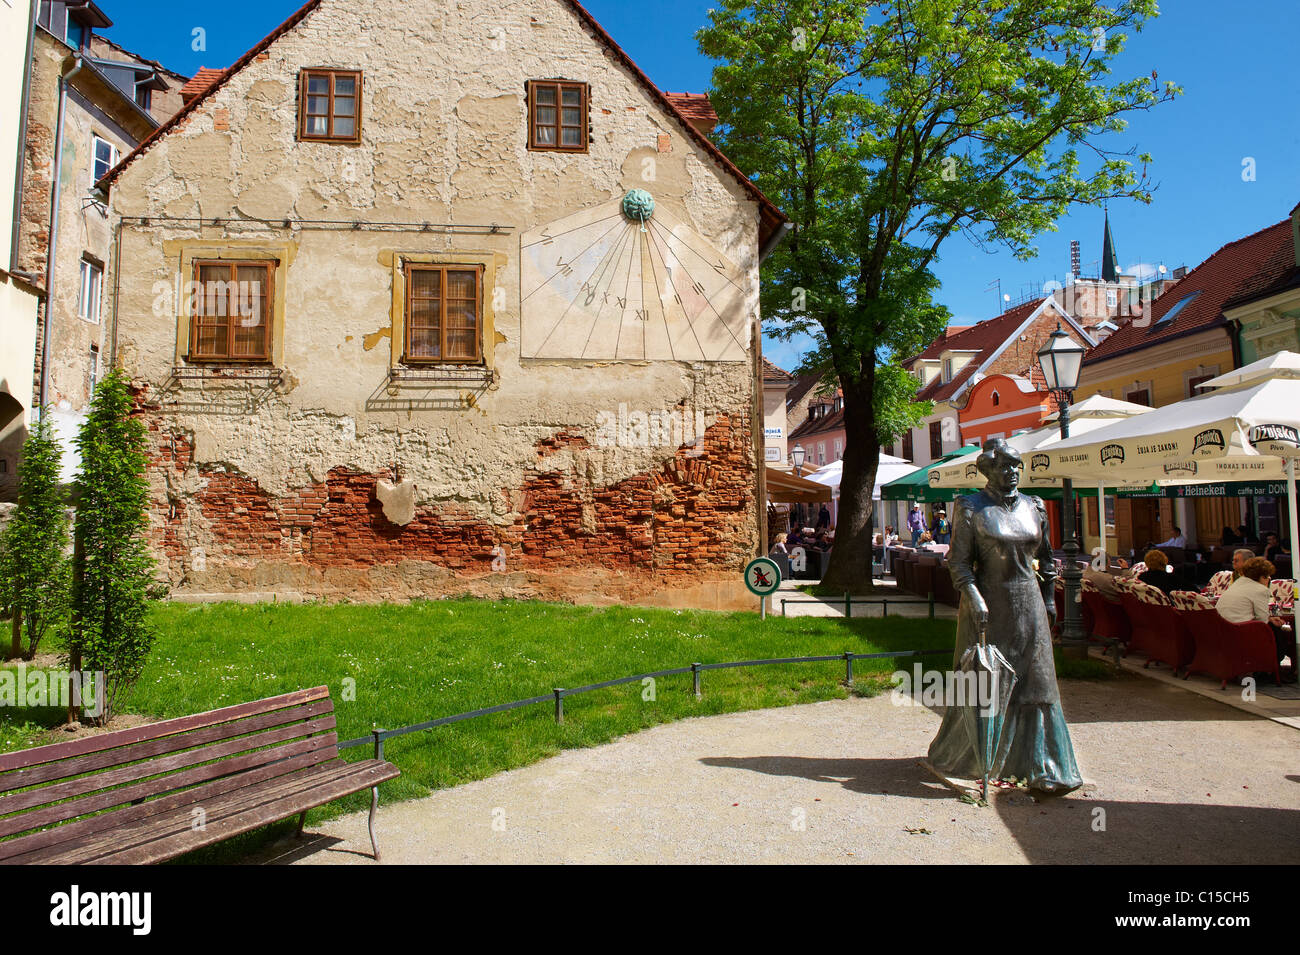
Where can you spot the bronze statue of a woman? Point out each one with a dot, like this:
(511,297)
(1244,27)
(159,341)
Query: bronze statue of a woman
(997,534)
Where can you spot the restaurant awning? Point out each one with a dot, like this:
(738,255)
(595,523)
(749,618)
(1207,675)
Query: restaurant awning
(784,488)
(916,486)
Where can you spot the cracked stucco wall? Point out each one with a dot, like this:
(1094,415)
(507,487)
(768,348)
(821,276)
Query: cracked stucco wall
(443,141)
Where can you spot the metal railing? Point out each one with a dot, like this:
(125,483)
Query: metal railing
(848,601)
(556,696)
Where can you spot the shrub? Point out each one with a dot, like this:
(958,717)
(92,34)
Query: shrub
(112,564)
(34,566)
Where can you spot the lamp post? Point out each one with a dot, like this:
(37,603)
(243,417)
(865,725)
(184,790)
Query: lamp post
(796,461)
(1061,360)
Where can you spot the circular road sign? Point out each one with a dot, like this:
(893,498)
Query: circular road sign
(762,576)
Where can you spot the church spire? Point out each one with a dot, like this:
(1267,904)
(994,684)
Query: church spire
(1109,270)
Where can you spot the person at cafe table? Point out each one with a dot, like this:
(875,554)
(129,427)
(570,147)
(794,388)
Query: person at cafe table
(1178,540)
(1157,572)
(1249,598)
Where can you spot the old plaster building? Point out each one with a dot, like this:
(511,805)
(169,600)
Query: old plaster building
(89,102)
(20,296)
(424,298)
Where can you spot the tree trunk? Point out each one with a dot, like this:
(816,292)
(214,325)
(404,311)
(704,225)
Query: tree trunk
(850,564)
(16,649)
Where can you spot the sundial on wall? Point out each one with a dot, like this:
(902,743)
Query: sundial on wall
(626,281)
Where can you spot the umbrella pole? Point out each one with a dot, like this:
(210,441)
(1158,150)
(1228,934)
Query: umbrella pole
(1293,520)
(1101,525)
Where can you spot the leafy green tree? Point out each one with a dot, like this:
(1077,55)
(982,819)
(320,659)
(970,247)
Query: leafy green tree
(885,127)
(113,565)
(34,565)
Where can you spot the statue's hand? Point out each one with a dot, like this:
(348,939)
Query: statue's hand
(979,609)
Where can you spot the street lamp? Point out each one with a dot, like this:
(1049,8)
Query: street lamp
(796,459)
(1061,360)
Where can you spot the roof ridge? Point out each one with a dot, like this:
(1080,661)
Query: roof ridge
(767,207)
(1224,248)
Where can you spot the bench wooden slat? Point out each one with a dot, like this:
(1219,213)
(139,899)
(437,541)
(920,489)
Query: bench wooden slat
(130,753)
(372,774)
(107,798)
(93,744)
(176,821)
(22,849)
(130,796)
(30,798)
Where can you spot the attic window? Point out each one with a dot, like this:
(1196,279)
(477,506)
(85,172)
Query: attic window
(1173,312)
(329,106)
(557,115)
(996,399)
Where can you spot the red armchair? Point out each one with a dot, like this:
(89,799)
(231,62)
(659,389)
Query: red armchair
(1159,632)
(1228,651)
(1109,622)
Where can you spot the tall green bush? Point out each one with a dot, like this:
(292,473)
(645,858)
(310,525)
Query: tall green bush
(34,565)
(112,563)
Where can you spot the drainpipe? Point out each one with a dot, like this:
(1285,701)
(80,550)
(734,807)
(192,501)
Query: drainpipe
(22,138)
(47,333)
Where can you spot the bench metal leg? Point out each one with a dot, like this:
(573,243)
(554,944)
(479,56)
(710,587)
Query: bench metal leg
(374,806)
(302,820)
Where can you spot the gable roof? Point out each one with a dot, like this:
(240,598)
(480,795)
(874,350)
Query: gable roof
(831,421)
(988,339)
(770,217)
(1251,262)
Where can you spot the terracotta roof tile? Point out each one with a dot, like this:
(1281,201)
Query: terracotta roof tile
(1253,262)
(199,82)
(770,217)
(771,371)
(696,108)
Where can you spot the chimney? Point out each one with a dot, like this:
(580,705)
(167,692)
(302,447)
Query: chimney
(1179,272)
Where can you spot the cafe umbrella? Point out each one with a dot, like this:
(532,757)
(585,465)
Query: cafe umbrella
(1244,426)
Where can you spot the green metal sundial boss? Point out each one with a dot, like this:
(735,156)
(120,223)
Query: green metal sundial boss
(639,206)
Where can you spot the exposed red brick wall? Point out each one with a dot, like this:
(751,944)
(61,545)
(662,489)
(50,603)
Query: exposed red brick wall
(691,514)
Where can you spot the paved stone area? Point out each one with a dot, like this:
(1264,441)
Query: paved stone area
(1173,778)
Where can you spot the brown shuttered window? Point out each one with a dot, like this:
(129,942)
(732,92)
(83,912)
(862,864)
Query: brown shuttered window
(443,313)
(557,115)
(230,318)
(329,105)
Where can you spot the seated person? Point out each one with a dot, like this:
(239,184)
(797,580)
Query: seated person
(1157,572)
(1239,558)
(1244,533)
(1230,537)
(1105,582)
(779,548)
(1178,540)
(890,536)
(1248,599)
(1273,546)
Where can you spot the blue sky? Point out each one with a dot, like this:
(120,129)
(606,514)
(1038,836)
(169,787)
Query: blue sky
(1236,65)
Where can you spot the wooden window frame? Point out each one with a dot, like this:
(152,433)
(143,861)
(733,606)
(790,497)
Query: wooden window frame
(303,77)
(584,111)
(268,314)
(936,440)
(408,270)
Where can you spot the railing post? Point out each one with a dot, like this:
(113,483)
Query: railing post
(884,606)
(848,607)
(783,606)
(559,704)
(378,736)
(848,667)
(695,679)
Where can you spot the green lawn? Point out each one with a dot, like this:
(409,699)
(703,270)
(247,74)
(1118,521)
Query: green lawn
(418,661)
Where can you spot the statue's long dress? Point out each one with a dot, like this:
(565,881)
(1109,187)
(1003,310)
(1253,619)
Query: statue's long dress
(994,544)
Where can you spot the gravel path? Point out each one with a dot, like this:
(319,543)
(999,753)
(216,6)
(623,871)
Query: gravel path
(1180,779)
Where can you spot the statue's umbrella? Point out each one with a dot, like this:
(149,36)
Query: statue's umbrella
(985,708)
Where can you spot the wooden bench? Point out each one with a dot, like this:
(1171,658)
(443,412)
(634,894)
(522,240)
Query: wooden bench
(154,792)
